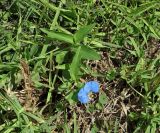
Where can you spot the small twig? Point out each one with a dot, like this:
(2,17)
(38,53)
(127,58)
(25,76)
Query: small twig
(135,90)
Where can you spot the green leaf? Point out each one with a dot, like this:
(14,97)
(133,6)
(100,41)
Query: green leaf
(143,8)
(133,116)
(154,129)
(140,65)
(75,123)
(136,47)
(75,65)
(156,80)
(62,67)
(82,32)
(133,22)
(88,70)
(82,52)
(34,50)
(8,67)
(103,98)
(59,36)
(72,97)
(60,57)
(157,13)
(51,6)
(38,119)
(148,130)
(151,29)
(94,129)
(116,126)
(89,53)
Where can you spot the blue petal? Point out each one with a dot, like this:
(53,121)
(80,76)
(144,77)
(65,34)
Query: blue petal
(83,96)
(93,85)
(87,89)
(84,99)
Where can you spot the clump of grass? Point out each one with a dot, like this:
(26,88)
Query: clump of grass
(49,49)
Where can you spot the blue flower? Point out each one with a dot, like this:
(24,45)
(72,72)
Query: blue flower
(93,86)
(83,96)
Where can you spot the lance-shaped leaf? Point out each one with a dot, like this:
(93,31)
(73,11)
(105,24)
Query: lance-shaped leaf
(59,36)
(75,65)
(82,32)
(89,53)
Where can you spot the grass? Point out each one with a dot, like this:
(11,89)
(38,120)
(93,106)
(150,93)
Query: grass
(48,50)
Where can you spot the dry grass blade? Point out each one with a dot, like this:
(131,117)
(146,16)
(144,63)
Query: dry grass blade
(28,87)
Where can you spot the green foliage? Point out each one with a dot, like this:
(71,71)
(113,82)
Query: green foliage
(82,32)
(81,52)
(59,36)
(66,43)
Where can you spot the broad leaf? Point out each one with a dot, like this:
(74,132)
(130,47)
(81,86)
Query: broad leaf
(82,32)
(82,52)
(103,98)
(89,53)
